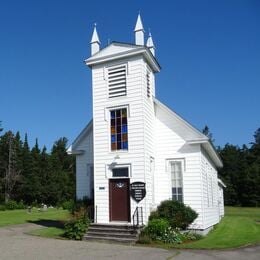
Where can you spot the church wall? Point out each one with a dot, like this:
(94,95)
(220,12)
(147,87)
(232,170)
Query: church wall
(170,146)
(84,183)
(210,192)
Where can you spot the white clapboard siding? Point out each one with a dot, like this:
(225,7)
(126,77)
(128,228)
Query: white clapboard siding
(84,180)
(210,192)
(135,156)
(170,145)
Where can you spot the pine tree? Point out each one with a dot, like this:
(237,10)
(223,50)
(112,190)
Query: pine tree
(207,132)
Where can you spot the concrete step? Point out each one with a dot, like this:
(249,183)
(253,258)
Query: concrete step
(113,226)
(112,230)
(110,239)
(111,234)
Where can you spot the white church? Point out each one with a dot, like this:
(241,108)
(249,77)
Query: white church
(137,152)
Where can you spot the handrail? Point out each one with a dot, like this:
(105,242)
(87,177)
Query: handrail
(138,217)
(96,214)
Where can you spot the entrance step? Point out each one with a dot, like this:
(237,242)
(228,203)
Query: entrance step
(112,233)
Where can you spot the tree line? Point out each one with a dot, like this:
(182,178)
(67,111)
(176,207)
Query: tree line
(32,175)
(241,171)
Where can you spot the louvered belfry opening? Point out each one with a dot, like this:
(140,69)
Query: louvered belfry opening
(148,84)
(117,81)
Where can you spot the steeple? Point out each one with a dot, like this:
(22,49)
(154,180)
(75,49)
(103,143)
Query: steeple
(150,44)
(139,31)
(95,43)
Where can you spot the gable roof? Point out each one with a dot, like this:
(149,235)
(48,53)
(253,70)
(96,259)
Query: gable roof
(119,50)
(189,133)
(73,147)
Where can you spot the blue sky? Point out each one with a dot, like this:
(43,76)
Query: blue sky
(209,52)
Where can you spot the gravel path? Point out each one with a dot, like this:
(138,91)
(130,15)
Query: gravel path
(16,244)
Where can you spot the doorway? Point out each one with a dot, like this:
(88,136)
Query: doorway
(119,200)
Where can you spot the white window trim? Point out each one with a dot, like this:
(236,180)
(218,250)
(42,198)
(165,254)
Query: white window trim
(175,159)
(168,170)
(107,118)
(108,109)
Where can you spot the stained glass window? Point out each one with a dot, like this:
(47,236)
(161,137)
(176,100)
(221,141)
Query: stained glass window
(118,129)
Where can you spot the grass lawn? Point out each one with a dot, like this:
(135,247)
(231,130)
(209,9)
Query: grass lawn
(52,232)
(237,228)
(20,216)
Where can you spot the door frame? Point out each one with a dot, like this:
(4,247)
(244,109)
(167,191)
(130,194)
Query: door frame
(128,199)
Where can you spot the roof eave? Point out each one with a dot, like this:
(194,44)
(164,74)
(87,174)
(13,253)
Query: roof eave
(222,183)
(141,50)
(75,152)
(71,149)
(206,144)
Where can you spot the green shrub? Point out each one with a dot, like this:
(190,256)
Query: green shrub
(11,205)
(2,208)
(160,230)
(68,205)
(156,228)
(191,236)
(176,213)
(77,226)
(20,205)
(171,236)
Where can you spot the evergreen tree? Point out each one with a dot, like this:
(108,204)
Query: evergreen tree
(207,132)
(27,189)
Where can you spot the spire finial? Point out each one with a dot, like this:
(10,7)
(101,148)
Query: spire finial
(150,43)
(139,31)
(139,24)
(95,37)
(95,43)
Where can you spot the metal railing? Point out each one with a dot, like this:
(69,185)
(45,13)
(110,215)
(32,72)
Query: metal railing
(138,217)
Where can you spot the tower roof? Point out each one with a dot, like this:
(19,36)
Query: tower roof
(139,24)
(95,37)
(119,50)
(150,43)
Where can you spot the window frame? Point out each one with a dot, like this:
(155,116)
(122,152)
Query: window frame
(109,128)
(182,163)
(111,167)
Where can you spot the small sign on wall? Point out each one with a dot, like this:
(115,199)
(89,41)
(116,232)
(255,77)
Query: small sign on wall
(137,190)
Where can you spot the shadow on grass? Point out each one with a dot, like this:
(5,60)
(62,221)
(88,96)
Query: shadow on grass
(48,223)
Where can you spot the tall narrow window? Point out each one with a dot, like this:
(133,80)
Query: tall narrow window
(117,81)
(119,131)
(176,181)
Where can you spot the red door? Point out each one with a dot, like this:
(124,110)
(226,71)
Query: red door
(119,200)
